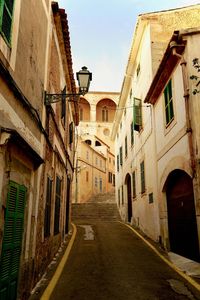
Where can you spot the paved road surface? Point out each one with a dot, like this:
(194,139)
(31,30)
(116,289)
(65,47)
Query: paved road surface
(109,262)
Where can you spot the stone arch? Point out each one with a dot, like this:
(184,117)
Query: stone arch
(105,110)
(84,110)
(129,196)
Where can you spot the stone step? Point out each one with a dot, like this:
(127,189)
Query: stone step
(98,211)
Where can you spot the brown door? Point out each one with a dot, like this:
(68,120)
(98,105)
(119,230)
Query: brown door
(181,215)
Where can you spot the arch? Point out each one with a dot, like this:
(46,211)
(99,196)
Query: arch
(105,110)
(89,142)
(182,225)
(84,110)
(129,196)
(97,143)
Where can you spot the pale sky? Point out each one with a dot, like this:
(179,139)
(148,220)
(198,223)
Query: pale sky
(101,34)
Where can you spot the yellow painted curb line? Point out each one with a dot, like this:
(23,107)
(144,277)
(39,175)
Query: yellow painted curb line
(48,291)
(182,274)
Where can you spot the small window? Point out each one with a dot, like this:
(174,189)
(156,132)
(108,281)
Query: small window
(96,182)
(47,217)
(6,16)
(142,173)
(119,197)
(131,93)
(109,177)
(122,195)
(150,198)
(134,184)
(96,161)
(169,110)
(126,147)
(57,206)
(121,156)
(132,134)
(118,163)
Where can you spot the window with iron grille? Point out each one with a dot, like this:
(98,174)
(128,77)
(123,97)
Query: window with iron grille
(132,134)
(121,156)
(47,217)
(6,16)
(137,107)
(169,110)
(57,206)
(142,173)
(126,147)
(134,184)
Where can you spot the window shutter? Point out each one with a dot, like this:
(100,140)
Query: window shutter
(57,206)
(12,240)
(132,134)
(137,114)
(118,162)
(142,172)
(121,156)
(47,218)
(6,15)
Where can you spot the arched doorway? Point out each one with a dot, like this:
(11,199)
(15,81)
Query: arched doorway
(129,197)
(182,224)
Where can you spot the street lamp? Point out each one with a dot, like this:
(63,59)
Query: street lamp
(83,76)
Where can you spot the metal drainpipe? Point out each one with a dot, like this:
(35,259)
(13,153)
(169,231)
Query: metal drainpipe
(188,119)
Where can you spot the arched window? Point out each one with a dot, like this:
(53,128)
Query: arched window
(88,142)
(97,143)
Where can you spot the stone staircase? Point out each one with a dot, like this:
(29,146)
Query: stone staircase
(101,207)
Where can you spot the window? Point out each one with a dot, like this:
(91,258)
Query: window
(169,111)
(118,163)
(96,161)
(6,15)
(126,147)
(120,156)
(137,106)
(109,159)
(47,217)
(150,198)
(132,134)
(71,131)
(100,163)
(134,184)
(96,182)
(87,176)
(105,114)
(142,173)
(100,185)
(57,206)
(109,177)
(122,195)
(131,92)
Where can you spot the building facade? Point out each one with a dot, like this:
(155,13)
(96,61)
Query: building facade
(136,140)
(36,141)
(96,111)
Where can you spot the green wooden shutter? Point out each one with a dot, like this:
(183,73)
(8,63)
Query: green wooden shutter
(137,114)
(12,241)
(142,173)
(6,15)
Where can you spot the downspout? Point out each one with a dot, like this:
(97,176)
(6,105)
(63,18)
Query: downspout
(186,95)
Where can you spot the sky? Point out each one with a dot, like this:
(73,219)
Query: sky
(101,33)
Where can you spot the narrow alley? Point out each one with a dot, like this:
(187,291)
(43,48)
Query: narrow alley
(108,261)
